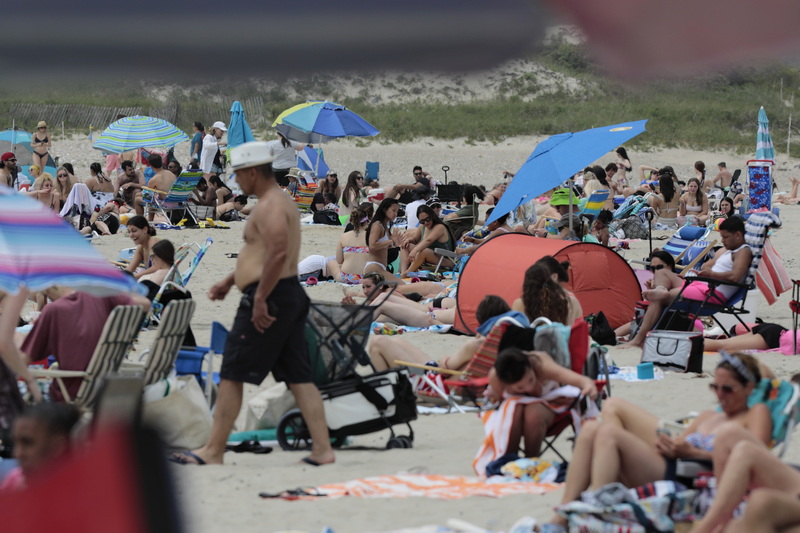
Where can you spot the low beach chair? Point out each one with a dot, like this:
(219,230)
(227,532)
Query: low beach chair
(177,198)
(190,361)
(594,204)
(177,280)
(372,170)
(116,339)
(163,352)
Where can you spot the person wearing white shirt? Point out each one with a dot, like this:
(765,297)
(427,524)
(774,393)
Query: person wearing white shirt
(285,153)
(209,156)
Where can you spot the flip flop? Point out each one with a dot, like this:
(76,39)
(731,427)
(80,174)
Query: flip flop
(249,446)
(310,461)
(292,494)
(182,458)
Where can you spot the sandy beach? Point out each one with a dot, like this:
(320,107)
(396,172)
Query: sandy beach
(225,498)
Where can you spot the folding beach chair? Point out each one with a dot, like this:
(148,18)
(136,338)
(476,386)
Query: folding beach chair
(372,170)
(116,339)
(460,225)
(190,361)
(163,352)
(756,230)
(594,204)
(177,198)
(177,280)
(689,246)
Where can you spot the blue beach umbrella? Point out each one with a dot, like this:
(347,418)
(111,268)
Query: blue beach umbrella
(764,147)
(131,133)
(39,249)
(326,118)
(560,157)
(238,129)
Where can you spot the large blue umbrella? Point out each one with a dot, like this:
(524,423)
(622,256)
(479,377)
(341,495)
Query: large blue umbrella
(131,133)
(238,130)
(764,147)
(556,159)
(326,118)
(39,249)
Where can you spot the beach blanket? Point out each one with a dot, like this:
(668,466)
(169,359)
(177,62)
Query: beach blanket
(382,328)
(439,487)
(629,374)
(772,278)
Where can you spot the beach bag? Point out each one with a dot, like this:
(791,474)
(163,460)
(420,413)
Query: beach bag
(600,330)
(328,217)
(678,350)
(180,413)
(633,228)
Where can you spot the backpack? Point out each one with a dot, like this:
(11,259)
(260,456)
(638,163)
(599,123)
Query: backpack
(633,228)
(327,216)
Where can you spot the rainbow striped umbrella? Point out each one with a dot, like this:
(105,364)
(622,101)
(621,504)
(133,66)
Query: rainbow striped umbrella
(130,133)
(39,249)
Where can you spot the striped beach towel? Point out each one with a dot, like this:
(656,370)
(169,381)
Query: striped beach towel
(755,235)
(772,278)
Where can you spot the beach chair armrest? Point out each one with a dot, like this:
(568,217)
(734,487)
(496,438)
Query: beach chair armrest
(154,190)
(714,282)
(445,252)
(53,373)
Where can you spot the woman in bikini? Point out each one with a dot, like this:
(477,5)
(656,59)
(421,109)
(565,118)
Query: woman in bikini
(419,244)
(628,447)
(220,190)
(43,191)
(493,196)
(41,144)
(666,202)
(693,205)
(143,236)
(380,238)
(163,259)
(351,253)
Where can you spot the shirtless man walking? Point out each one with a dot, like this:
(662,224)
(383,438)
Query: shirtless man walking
(268,331)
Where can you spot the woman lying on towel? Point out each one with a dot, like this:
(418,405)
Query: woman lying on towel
(628,446)
(397,309)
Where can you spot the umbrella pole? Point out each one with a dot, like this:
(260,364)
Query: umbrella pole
(569,182)
(649,216)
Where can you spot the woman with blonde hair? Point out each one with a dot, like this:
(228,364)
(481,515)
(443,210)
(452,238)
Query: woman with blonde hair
(41,144)
(43,191)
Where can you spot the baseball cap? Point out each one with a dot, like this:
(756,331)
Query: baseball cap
(219,124)
(561,197)
(563,222)
(6,156)
(251,154)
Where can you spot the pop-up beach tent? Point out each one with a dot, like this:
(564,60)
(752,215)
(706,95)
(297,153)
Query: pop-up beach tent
(599,277)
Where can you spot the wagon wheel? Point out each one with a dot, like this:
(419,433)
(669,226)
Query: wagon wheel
(292,433)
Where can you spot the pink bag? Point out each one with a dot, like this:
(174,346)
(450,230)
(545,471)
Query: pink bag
(787,342)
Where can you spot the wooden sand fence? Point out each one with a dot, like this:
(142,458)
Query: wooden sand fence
(182,113)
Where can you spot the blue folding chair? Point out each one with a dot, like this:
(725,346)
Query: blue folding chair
(373,168)
(190,361)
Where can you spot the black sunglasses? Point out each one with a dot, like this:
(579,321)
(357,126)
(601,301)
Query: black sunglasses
(653,268)
(725,389)
(418,173)
(424,220)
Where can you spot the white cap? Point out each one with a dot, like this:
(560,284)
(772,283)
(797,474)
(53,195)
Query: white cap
(219,124)
(251,154)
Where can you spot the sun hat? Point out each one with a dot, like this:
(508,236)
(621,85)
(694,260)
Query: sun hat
(294,172)
(6,156)
(41,124)
(219,125)
(561,197)
(251,154)
(563,222)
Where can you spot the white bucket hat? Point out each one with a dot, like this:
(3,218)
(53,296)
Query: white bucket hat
(251,154)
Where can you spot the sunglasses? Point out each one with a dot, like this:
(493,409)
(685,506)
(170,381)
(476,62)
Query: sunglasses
(725,389)
(12,160)
(653,268)
(418,173)
(61,176)
(424,220)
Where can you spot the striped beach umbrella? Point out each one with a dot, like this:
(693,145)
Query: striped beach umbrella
(764,147)
(131,133)
(39,249)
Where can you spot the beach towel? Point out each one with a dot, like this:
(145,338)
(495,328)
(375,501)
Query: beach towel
(497,423)
(772,278)
(439,487)
(382,328)
(79,201)
(754,238)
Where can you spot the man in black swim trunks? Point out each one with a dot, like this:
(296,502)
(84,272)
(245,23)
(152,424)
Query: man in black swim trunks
(268,331)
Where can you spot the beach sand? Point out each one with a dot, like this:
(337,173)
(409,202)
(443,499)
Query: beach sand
(225,498)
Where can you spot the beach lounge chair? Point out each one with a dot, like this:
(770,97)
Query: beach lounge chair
(190,361)
(163,352)
(116,339)
(460,225)
(177,198)
(594,204)
(177,280)
(689,246)
(756,230)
